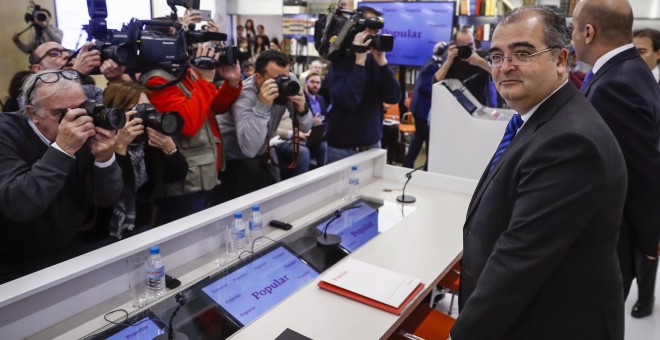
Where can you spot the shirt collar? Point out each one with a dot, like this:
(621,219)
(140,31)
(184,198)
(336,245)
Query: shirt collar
(36,130)
(609,55)
(656,73)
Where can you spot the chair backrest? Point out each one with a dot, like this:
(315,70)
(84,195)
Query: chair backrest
(392,112)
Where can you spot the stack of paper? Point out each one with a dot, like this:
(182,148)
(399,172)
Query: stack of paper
(373,285)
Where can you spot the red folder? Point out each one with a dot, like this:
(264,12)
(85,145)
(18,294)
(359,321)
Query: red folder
(372,302)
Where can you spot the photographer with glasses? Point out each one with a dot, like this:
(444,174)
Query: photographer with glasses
(57,167)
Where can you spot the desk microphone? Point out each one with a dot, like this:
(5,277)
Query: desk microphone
(407,199)
(181,299)
(331,240)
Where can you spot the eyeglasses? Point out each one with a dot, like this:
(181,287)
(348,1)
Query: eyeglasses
(54,53)
(51,77)
(516,59)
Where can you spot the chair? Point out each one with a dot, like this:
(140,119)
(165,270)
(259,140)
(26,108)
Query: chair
(407,126)
(449,284)
(425,323)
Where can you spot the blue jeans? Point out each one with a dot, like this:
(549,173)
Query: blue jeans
(285,156)
(335,154)
(421,136)
(319,152)
(175,207)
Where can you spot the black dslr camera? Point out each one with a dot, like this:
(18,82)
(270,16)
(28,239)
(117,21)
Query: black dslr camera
(168,123)
(106,118)
(334,33)
(34,13)
(464,51)
(286,87)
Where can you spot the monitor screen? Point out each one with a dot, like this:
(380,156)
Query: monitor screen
(355,226)
(256,286)
(416,27)
(145,329)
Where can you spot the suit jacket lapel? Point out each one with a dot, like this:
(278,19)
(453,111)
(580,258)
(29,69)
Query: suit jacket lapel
(543,114)
(625,55)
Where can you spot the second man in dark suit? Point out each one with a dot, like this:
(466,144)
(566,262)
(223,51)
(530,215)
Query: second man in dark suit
(626,95)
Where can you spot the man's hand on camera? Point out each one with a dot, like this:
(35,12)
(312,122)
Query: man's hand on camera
(74,130)
(102,144)
(128,133)
(87,59)
(112,71)
(361,58)
(268,92)
(213,27)
(299,102)
(203,51)
(452,53)
(379,56)
(191,17)
(231,74)
(160,141)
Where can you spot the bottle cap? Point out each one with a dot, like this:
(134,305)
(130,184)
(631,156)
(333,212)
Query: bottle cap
(154,250)
(238,215)
(255,207)
(354,167)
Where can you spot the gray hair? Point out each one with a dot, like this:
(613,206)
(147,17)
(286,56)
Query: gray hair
(555,31)
(49,89)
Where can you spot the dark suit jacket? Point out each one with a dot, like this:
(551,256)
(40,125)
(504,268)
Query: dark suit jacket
(628,98)
(539,249)
(420,105)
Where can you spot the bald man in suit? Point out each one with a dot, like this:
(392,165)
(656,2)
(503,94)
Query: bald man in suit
(625,93)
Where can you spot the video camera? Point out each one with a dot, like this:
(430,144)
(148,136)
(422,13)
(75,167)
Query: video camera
(34,13)
(228,56)
(334,33)
(141,50)
(169,123)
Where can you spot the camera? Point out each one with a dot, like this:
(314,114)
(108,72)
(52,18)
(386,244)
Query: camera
(382,42)
(464,51)
(168,123)
(286,87)
(141,50)
(106,118)
(228,56)
(34,13)
(334,33)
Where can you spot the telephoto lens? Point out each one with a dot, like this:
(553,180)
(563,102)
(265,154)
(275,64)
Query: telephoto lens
(464,51)
(168,123)
(286,87)
(109,119)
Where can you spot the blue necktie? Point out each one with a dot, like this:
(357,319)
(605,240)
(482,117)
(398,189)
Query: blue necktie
(586,79)
(514,124)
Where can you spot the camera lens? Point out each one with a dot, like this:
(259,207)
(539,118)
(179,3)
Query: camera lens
(111,119)
(464,51)
(41,16)
(170,124)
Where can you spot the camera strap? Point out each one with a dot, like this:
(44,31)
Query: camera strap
(295,139)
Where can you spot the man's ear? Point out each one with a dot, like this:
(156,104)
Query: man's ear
(31,112)
(562,58)
(589,34)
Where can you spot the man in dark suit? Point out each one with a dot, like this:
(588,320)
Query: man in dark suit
(317,105)
(539,247)
(626,95)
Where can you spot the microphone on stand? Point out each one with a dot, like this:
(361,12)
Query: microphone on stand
(331,240)
(181,299)
(408,199)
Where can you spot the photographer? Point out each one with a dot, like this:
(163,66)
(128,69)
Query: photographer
(198,101)
(463,63)
(253,121)
(148,157)
(57,168)
(359,84)
(39,19)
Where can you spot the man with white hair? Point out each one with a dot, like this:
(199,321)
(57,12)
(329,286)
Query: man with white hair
(57,168)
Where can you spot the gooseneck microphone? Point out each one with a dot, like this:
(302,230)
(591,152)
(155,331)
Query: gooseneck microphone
(181,299)
(407,199)
(331,240)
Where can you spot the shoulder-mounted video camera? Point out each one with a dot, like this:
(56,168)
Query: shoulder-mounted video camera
(141,50)
(334,33)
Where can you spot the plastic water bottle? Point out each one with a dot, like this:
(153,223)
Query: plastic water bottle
(353,183)
(155,274)
(237,233)
(256,225)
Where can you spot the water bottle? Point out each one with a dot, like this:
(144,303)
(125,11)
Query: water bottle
(353,183)
(237,233)
(155,274)
(256,225)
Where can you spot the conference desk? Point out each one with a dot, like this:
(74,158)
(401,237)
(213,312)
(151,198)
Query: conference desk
(69,300)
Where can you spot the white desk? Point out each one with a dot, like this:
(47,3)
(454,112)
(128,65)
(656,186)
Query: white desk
(69,300)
